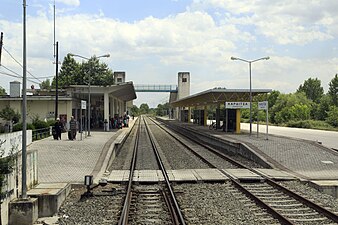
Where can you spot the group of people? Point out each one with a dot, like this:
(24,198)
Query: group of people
(59,128)
(117,122)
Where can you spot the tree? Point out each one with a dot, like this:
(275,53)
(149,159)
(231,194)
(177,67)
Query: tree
(144,108)
(73,73)
(319,111)
(99,73)
(162,110)
(312,89)
(291,107)
(2,91)
(134,111)
(332,116)
(45,84)
(9,114)
(69,73)
(333,90)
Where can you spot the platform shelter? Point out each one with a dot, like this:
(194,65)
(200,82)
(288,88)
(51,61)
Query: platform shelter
(194,108)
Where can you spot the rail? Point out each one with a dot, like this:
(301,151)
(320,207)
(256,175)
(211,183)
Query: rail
(175,209)
(39,134)
(125,211)
(280,217)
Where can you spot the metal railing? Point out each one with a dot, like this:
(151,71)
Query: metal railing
(42,133)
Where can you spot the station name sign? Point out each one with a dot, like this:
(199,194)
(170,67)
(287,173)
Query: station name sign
(237,105)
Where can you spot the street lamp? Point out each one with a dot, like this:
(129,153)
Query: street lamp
(250,61)
(102,56)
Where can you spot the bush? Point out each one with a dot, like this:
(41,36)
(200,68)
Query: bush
(18,127)
(39,124)
(332,116)
(309,124)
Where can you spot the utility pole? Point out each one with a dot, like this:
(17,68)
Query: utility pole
(57,80)
(24,109)
(1,43)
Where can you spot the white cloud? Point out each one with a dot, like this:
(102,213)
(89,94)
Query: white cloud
(69,2)
(284,21)
(153,50)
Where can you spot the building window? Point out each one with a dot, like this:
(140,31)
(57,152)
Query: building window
(119,80)
(184,79)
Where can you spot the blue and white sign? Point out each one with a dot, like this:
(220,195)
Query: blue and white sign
(83,104)
(237,105)
(263,105)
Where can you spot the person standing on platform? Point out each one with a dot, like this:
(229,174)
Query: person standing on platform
(58,129)
(72,127)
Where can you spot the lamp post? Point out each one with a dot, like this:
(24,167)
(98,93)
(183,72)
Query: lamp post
(250,61)
(102,56)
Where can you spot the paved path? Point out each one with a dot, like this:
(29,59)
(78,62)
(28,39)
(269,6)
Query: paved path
(305,158)
(328,138)
(69,161)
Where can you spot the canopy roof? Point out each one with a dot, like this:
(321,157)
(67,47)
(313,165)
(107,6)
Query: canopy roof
(218,96)
(124,91)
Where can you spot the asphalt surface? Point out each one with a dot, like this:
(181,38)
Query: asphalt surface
(327,138)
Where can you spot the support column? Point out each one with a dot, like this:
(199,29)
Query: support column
(189,114)
(106,111)
(205,115)
(238,121)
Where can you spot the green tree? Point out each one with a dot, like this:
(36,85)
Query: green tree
(99,73)
(9,114)
(69,73)
(144,108)
(162,110)
(134,111)
(319,110)
(333,90)
(2,91)
(312,89)
(291,107)
(45,84)
(332,116)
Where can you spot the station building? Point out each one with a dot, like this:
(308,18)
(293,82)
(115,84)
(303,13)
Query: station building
(225,104)
(106,102)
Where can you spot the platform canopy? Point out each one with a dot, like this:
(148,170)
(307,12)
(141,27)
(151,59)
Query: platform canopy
(218,96)
(123,91)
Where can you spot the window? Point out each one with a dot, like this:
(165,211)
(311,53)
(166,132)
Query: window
(184,79)
(119,80)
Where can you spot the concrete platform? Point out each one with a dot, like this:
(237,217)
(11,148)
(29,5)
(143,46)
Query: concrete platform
(243,174)
(276,174)
(118,176)
(188,175)
(50,197)
(209,175)
(329,187)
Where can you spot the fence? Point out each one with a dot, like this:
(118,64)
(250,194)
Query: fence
(39,134)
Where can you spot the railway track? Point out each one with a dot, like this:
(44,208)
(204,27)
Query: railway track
(149,205)
(282,204)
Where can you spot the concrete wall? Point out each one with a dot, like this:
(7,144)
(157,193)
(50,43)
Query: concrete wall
(44,109)
(12,189)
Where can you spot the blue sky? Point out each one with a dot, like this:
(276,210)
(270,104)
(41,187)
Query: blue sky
(153,40)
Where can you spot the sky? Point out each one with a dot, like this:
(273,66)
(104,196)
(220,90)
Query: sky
(153,40)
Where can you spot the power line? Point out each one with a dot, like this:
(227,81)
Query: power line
(15,76)
(20,64)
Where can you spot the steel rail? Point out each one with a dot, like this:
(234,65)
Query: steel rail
(216,152)
(125,211)
(330,215)
(179,219)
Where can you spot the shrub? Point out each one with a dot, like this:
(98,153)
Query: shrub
(18,127)
(310,124)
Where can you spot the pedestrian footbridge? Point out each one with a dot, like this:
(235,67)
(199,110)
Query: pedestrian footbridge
(155,88)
